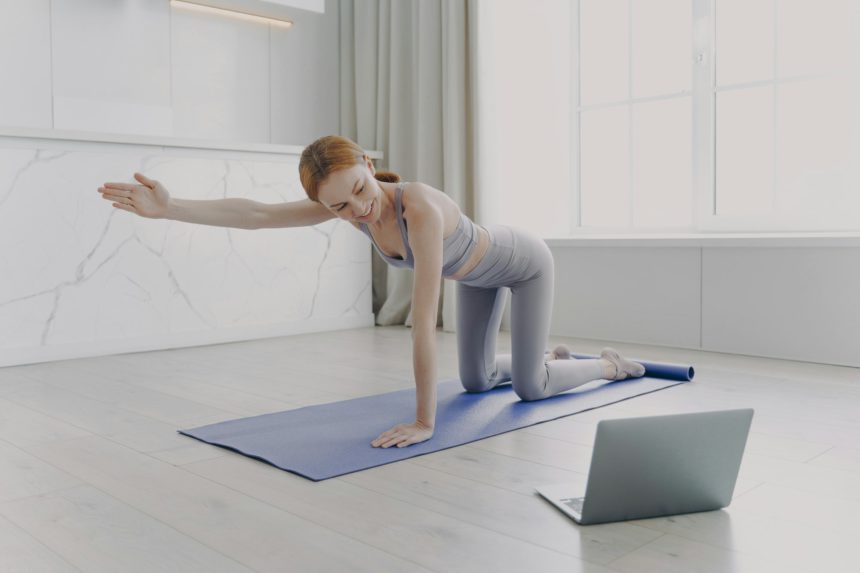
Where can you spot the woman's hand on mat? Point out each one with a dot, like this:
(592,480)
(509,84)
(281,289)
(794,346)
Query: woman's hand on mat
(403,435)
(149,199)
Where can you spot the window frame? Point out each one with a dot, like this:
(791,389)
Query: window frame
(703,140)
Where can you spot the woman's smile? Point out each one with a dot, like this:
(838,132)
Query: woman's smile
(368,212)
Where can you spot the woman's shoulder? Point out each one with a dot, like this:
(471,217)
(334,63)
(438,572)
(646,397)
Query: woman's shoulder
(423,196)
(424,202)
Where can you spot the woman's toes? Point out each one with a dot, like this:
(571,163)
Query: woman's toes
(623,367)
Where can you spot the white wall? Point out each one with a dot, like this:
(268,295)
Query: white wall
(80,278)
(142,67)
(796,303)
(523,170)
(25,63)
(800,303)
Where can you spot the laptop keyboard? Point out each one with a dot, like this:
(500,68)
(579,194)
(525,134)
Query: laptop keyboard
(574,503)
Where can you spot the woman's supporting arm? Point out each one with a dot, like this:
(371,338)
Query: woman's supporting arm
(424,366)
(425,237)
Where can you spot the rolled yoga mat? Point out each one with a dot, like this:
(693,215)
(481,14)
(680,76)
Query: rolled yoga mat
(666,370)
(328,440)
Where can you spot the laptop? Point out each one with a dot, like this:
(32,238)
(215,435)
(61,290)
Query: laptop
(656,466)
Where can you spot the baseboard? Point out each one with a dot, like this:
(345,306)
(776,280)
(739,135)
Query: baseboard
(86,349)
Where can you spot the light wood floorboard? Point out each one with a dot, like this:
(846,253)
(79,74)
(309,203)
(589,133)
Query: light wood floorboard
(94,477)
(20,551)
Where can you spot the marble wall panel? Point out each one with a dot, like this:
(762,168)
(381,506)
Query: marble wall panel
(80,275)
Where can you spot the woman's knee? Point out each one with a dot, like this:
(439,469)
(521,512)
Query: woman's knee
(530,392)
(473,380)
(476,384)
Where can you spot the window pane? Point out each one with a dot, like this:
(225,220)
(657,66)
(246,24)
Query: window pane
(744,40)
(662,46)
(604,42)
(813,36)
(744,162)
(605,175)
(662,163)
(815,137)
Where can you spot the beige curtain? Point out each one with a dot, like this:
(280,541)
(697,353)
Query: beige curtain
(407,90)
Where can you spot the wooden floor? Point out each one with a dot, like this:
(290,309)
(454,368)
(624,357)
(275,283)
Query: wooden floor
(94,477)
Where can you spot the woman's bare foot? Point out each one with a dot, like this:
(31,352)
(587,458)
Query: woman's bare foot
(560,352)
(617,368)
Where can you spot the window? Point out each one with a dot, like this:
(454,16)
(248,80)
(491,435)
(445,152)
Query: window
(700,115)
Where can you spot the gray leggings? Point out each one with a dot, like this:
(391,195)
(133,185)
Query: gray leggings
(523,263)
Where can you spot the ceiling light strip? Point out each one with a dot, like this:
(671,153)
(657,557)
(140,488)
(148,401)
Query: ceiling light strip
(231,13)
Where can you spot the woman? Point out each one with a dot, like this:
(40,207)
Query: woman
(414,225)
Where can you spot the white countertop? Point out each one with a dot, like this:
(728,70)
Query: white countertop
(160,141)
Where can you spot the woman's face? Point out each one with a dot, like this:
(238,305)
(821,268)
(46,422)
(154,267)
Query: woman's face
(352,194)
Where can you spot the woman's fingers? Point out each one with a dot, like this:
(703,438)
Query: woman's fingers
(123,186)
(117,198)
(388,438)
(394,441)
(386,434)
(128,208)
(400,436)
(144,179)
(390,432)
(121,189)
(384,437)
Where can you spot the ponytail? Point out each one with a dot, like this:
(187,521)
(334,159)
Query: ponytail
(387,176)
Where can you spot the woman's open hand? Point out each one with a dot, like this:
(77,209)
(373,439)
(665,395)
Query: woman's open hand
(149,199)
(403,435)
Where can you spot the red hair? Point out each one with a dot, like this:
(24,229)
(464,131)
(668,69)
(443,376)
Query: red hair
(328,154)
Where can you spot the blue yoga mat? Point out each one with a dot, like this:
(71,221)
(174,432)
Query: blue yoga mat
(328,440)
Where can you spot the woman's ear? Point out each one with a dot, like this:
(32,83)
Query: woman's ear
(370,166)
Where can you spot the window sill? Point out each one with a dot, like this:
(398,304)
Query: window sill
(834,239)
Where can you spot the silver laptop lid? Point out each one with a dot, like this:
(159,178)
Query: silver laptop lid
(664,465)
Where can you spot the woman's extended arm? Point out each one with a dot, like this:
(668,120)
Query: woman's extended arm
(151,199)
(248,214)
(425,236)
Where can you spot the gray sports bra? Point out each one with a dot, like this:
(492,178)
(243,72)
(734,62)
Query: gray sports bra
(456,248)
